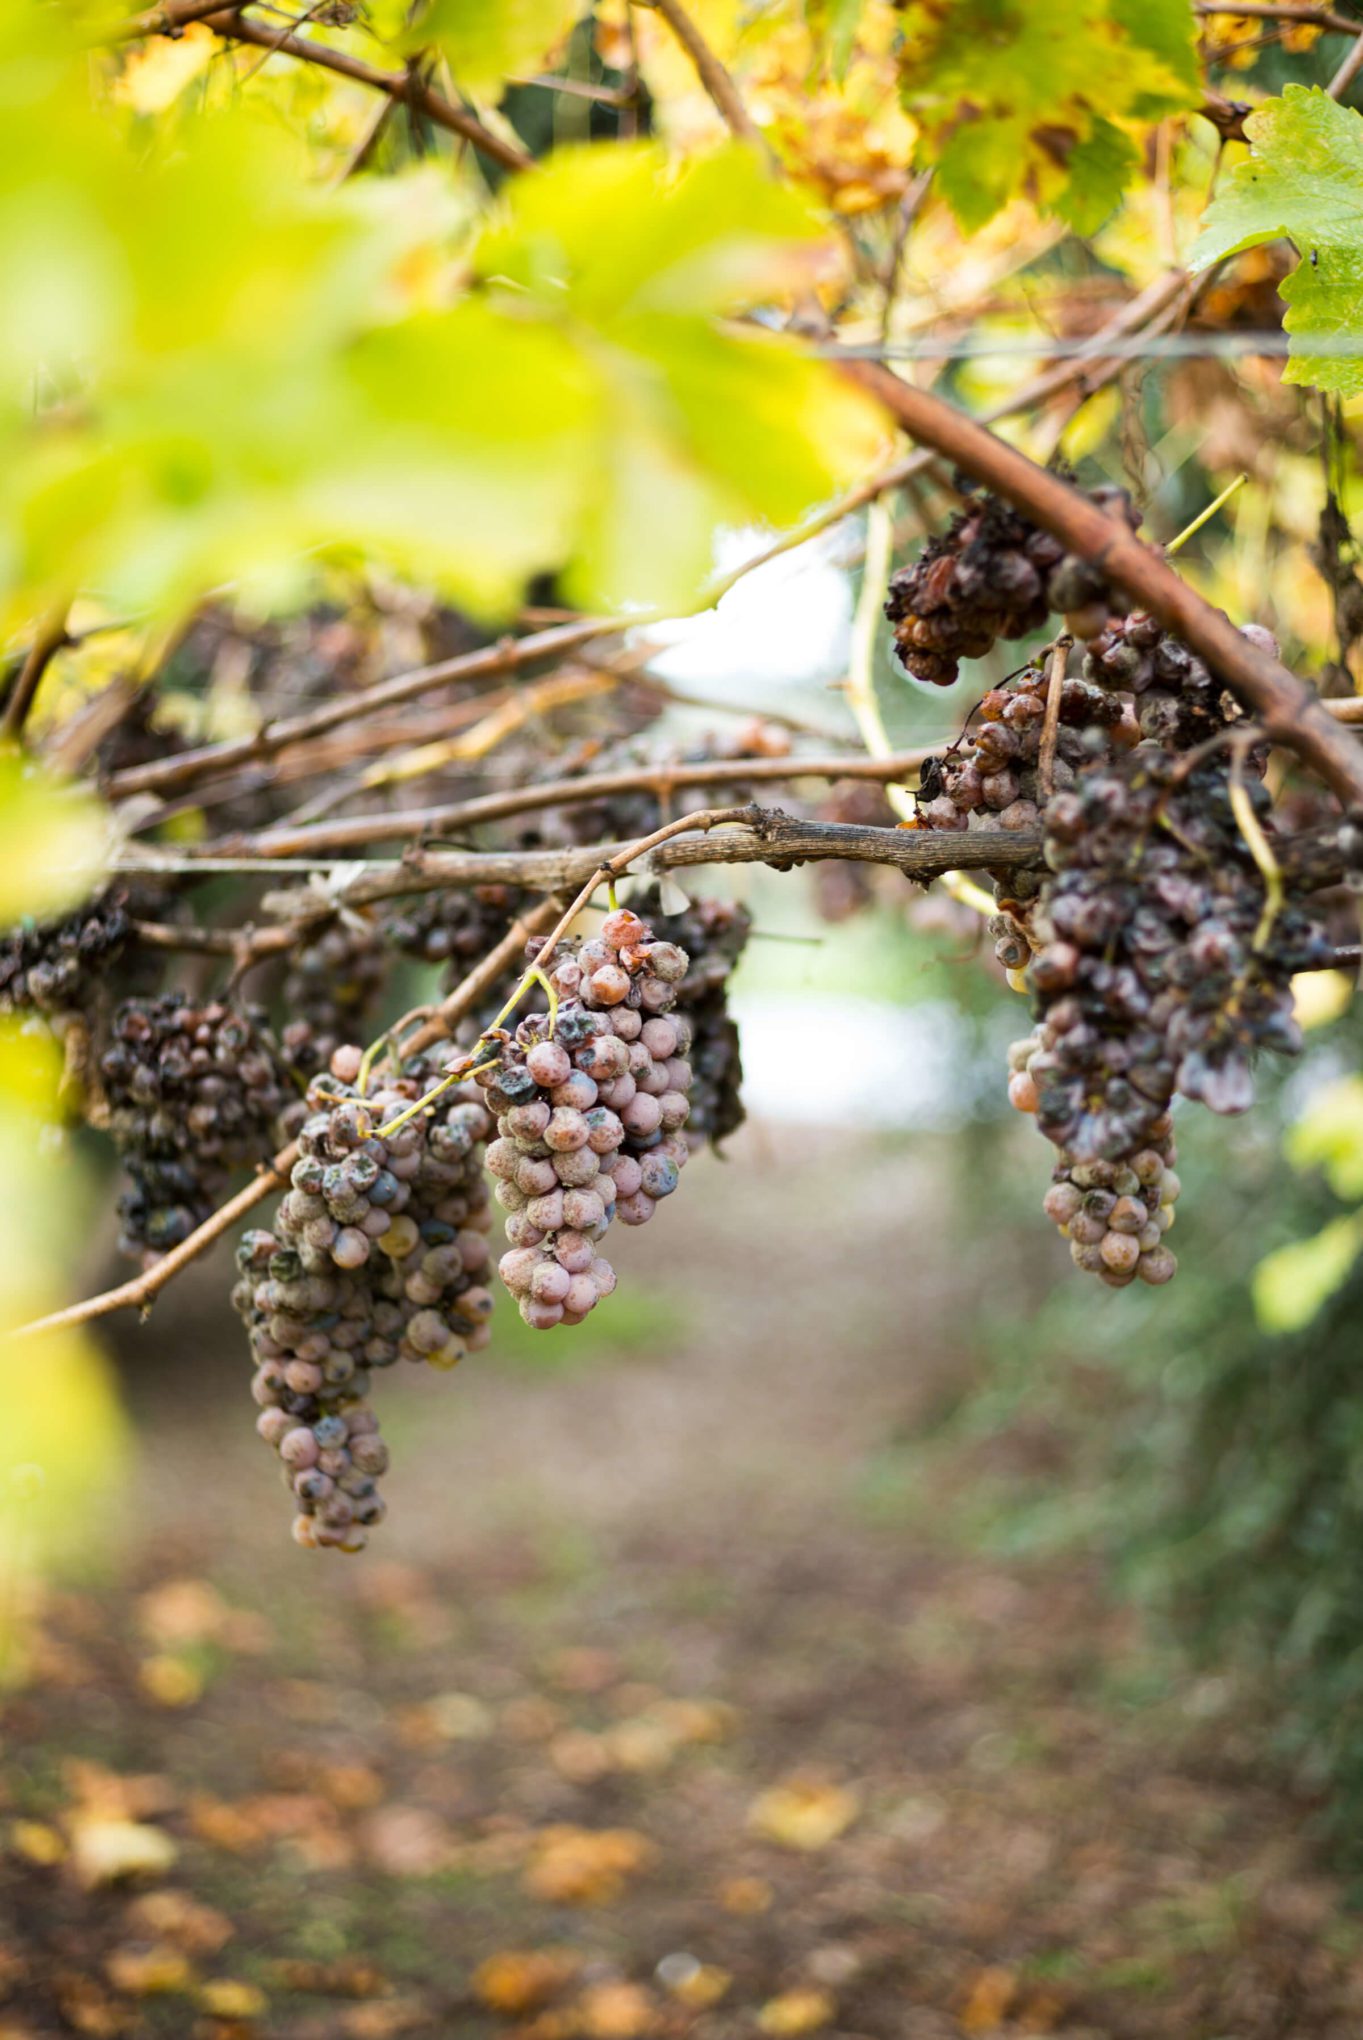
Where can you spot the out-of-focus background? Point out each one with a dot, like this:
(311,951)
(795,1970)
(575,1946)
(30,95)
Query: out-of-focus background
(857,1627)
(865,1625)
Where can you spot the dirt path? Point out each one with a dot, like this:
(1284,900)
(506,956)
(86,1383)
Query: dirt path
(647,1717)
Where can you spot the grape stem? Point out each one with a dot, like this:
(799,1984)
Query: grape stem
(143,1289)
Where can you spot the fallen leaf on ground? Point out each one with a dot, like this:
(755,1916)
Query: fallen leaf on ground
(449,1717)
(803,1812)
(584,1866)
(176,1917)
(797,2011)
(224,1997)
(350,1976)
(37,1842)
(517,1980)
(746,1896)
(407,1841)
(88,2010)
(181,1611)
(138,1795)
(987,2004)
(149,1972)
(105,1851)
(170,1681)
(385,2019)
(616,2011)
(697,1985)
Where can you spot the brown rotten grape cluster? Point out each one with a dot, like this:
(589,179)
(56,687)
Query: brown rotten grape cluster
(992,574)
(1155,968)
(378,1254)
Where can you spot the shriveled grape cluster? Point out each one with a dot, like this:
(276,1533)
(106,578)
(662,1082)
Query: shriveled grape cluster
(378,1253)
(334,981)
(58,967)
(193,1092)
(1155,969)
(454,928)
(992,574)
(1113,1212)
(590,1116)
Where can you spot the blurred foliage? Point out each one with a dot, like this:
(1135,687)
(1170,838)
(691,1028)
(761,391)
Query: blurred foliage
(63,1437)
(1009,98)
(1208,1452)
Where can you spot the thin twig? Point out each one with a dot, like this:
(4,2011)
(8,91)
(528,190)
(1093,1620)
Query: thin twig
(1284,11)
(357,831)
(399,85)
(1050,726)
(719,86)
(1348,70)
(144,1288)
(508,655)
(168,19)
(48,640)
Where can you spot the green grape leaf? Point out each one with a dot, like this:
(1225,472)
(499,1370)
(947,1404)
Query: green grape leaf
(1303,179)
(1291,1285)
(1329,1136)
(692,425)
(1006,93)
(485,45)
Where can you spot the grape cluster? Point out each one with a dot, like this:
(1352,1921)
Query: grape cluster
(714,934)
(335,979)
(590,1117)
(57,967)
(193,1092)
(1177,701)
(992,574)
(1154,975)
(1114,1213)
(454,928)
(378,1253)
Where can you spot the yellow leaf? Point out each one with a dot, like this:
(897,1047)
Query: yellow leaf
(991,1996)
(521,1980)
(36,1842)
(225,1998)
(149,1972)
(697,1985)
(797,2011)
(105,1850)
(616,2011)
(804,1812)
(158,71)
(170,1681)
(584,1866)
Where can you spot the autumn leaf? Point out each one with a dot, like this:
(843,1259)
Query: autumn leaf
(804,1812)
(584,1866)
